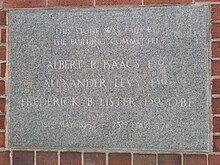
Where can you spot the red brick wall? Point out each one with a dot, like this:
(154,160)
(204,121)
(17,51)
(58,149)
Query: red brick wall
(36,157)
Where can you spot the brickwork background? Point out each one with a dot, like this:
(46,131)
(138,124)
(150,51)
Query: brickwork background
(38,157)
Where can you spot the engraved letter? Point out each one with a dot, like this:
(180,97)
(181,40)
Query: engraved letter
(89,102)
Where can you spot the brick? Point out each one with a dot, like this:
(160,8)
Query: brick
(2,17)
(53,3)
(3,35)
(2,121)
(214,159)
(215,12)
(2,139)
(169,159)
(215,49)
(149,2)
(3,69)
(23,3)
(4,158)
(144,159)
(2,53)
(94,158)
(216,124)
(207,0)
(2,104)
(216,86)
(194,159)
(2,87)
(47,158)
(215,67)
(119,159)
(118,2)
(216,143)
(23,158)
(216,105)
(216,30)
(70,158)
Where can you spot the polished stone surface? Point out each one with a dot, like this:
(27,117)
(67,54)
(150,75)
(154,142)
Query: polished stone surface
(109,78)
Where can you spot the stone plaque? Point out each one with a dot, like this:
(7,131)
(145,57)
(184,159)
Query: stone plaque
(109,78)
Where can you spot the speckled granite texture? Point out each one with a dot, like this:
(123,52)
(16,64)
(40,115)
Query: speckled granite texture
(105,78)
